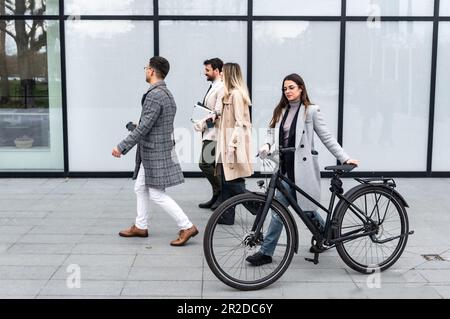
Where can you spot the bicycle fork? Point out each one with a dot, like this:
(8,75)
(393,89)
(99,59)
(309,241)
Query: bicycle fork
(261,217)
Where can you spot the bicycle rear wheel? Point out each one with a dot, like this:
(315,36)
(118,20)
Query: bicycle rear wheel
(380,250)
(226,247)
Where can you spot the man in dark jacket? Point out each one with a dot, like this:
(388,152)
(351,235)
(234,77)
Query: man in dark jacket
(157,166)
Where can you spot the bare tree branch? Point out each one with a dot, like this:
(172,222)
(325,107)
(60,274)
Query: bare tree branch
(32,6)
(28,25)
(12,35)
(40,11)
(9,6)
(41,41)
(32,28)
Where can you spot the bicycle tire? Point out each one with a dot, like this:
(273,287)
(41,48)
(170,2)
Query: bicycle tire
(355,196)
(211,237)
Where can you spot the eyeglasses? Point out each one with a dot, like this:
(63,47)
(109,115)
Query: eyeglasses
(290,88)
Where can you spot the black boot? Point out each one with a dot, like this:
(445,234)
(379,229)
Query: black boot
(209,203)
(227,218)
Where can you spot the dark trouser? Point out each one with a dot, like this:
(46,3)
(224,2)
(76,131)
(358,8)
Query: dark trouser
(230,189)
(207,165)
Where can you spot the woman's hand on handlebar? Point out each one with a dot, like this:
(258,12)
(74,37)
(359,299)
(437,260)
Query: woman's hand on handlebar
(264,151)
(352,161)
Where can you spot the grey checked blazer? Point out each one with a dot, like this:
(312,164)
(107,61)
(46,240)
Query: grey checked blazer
(154,137)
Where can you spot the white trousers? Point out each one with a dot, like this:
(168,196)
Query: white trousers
(144,194)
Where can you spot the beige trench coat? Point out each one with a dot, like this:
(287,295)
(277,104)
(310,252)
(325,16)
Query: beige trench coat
(235,130)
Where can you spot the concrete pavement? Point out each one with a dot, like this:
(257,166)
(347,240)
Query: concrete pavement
(47,225)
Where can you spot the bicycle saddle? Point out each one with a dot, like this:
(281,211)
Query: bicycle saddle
(341,168)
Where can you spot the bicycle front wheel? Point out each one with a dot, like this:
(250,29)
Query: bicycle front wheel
(386,236)
(226,247)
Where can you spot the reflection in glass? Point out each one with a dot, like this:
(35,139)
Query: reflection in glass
(108,7)
(387,91)
(202,7)
(298,7)
(30,100)
(281,48)
(27,7)
(390,7)
(441,147)
(105,83)
(444,8)
(24,100)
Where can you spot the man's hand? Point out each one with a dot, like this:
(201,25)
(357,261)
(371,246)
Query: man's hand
(212,117)
(116,152)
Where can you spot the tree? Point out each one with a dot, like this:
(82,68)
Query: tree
(30,38)
(4,98)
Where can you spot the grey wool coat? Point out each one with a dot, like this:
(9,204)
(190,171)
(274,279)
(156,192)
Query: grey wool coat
(154,139)
(306,164)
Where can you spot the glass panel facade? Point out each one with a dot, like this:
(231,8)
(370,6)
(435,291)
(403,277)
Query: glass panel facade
(281,48)
(444,8)
(186,44)
(105,81)
(387,75)
(27,7)
(31,136)
(387,93)
(298,7)
(441,146)
(390,7)
(202,7)
(108,7)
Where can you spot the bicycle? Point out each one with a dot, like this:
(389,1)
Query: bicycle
(369,228)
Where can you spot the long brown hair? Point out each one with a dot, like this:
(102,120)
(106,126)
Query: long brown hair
(232,79)
(304,98)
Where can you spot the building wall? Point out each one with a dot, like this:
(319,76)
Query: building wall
(378,69)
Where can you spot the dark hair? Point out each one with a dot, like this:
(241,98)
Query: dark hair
(160,65)
(304,98)
(215,63)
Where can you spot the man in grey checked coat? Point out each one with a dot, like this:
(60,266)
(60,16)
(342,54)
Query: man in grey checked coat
(156,164)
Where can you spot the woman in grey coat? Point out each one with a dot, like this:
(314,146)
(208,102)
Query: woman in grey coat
(294,121)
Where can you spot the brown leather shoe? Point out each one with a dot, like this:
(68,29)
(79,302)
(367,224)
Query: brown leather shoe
(184,235)
(133,231)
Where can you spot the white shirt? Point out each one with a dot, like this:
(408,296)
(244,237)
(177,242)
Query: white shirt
(213,101)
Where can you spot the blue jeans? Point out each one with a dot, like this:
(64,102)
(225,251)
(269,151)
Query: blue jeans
(276,225)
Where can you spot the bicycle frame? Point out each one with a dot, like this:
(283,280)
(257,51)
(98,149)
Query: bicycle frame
(327,236)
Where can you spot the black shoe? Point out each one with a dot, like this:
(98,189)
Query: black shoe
(209,203)
(316,249)
(259,259)
(216,204)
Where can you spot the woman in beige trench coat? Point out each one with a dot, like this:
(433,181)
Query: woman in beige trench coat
(234,140)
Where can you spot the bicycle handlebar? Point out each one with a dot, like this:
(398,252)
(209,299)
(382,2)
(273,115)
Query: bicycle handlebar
(282,150)
(287,149)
